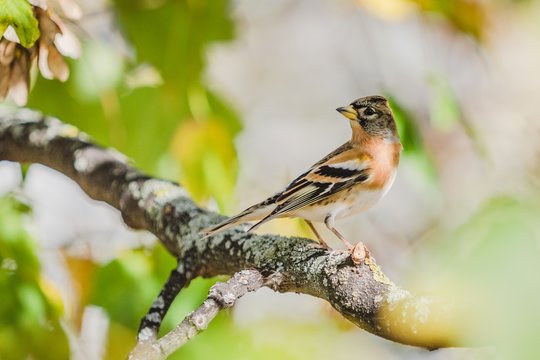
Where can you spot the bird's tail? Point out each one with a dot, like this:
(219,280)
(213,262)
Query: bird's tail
(253,213)
(227,224)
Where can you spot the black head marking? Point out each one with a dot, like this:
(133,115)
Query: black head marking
(369,101)
(374,115)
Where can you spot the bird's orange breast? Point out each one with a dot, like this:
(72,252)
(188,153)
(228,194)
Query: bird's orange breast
(385,160)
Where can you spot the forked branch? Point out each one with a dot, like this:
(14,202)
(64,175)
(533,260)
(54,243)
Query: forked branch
(220,296)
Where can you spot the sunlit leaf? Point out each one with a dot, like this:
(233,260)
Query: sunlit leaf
(82,272)
(389,9)
(122,339)
(467,16)
(208,159)
(18,14)
(24,170)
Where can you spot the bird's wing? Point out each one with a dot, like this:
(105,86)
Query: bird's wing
(339,170)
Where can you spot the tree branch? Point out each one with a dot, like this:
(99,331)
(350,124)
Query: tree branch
(151,323)
(362,294)
(220,296)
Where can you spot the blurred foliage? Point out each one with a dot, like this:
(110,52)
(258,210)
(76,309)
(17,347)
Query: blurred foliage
(466,16)
(411,138)
(30,308)
(489,265)
(18,14)
(267,339)
(408,129)
(143,106)
(205,150)
(471,17)
(446,113)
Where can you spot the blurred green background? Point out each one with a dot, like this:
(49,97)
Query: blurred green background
(223,95)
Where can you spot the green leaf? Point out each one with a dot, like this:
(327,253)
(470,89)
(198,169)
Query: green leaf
(466,16)
(129,275)
(18,14)
(408,130)
(206,152)
(411,138)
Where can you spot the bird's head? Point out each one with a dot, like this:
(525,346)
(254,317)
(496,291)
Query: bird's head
(373,115)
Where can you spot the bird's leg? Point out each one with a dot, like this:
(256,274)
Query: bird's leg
(312,227)
(359,252)
(329,222)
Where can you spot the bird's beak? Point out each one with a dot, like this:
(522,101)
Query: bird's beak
(348,112)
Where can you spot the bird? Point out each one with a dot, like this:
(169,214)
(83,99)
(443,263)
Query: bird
(349,180)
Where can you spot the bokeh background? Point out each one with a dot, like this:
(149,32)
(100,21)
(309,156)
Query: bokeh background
(235,98)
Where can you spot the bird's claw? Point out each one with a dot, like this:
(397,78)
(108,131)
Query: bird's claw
(359,253)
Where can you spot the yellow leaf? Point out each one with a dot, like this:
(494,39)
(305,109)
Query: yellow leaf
(206,154)
(389,9)
(82,272)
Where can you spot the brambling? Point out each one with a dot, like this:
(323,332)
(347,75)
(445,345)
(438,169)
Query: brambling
(347,181)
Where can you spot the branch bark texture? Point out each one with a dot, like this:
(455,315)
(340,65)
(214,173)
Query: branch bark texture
(361,293)
(221,296)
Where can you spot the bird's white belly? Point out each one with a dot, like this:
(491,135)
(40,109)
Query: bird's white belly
(353,204)
(365,199)
(361,202)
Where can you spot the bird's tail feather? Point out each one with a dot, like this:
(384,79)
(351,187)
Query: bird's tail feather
(260,222)
(253,213)
(227,224)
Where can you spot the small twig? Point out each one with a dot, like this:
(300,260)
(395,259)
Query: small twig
(220,296)
(151,323)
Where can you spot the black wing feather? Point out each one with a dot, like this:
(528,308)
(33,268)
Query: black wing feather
(320,192)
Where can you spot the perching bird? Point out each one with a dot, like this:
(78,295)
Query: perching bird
(347,181)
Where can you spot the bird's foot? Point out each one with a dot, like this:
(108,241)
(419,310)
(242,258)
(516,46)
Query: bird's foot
(359,253)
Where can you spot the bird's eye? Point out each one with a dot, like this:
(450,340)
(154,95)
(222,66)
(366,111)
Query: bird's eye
(369,111)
